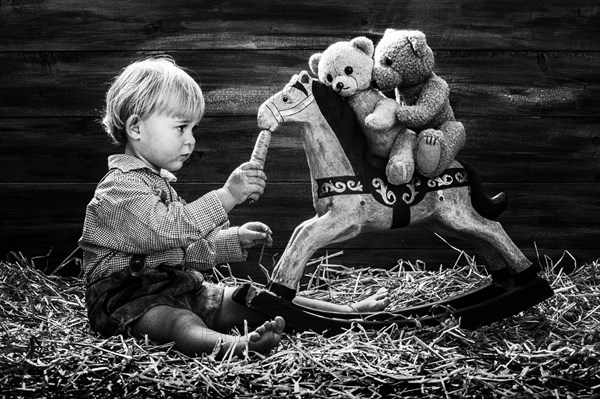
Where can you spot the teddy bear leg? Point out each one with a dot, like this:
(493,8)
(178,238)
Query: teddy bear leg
(454,140)
(436,149)
(429,152)
(401,165)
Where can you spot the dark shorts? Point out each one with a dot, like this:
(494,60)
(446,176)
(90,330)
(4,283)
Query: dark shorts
(114,303)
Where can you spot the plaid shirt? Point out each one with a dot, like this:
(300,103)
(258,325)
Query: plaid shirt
(136,211)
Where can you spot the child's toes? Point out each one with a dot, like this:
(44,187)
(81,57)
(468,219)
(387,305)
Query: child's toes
(279,325)
(263,328)
(254,336)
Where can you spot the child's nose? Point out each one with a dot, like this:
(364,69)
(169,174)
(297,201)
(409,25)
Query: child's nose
(189,139)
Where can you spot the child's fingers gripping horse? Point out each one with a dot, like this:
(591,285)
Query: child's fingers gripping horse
(351,197)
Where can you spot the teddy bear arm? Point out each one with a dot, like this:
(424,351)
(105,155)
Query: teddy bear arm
(430,103)
(384,114)
(435,94)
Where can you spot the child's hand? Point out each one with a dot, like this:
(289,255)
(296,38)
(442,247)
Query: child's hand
(247,179)
(255,233)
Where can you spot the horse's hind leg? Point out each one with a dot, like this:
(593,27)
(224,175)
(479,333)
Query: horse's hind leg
(505,260)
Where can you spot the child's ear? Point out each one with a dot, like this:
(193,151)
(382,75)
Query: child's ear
(132,127)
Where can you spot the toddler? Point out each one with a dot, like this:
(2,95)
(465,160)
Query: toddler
(144,247)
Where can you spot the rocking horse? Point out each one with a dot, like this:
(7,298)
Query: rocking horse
(352,197)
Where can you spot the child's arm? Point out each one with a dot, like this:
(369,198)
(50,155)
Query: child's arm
(130,216)
(227,244)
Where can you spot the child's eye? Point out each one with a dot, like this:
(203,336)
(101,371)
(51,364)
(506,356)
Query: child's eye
(181,128)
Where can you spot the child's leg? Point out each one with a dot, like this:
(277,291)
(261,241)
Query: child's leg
(191,336)
(232,314)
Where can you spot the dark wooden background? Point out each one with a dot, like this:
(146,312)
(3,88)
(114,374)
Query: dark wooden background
(524,78)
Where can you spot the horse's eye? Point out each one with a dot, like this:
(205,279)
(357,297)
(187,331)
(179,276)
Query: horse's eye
(348,70)
(329,78)
(388,61)
(285,99)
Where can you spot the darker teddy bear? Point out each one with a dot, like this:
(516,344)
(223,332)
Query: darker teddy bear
(404,61)
(347,67)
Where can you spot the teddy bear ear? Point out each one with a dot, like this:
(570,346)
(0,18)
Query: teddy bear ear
(364,44)
(418,44)
(313,62)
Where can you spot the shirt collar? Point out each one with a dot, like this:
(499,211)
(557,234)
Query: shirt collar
(128,163)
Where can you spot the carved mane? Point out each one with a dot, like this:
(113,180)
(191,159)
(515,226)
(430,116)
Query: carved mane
(342,120)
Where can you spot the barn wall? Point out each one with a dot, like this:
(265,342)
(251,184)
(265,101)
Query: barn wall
(523,76)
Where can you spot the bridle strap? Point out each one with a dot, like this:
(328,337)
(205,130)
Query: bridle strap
(280,115)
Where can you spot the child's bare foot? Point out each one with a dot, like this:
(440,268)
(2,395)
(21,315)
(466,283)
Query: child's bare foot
(375,303)
(267,336)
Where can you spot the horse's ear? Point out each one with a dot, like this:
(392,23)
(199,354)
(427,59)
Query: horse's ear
(313,63)
(304,78)
(364,44)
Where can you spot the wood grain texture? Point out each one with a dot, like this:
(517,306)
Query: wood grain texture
(501,149)
(482,84)
(552,216)
(524,78)
(159,25)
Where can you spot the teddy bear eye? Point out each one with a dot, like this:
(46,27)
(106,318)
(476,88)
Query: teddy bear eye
(285,99)
(348,70)
(388,61)
(329,78)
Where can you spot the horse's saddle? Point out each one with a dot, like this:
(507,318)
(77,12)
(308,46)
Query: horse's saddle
(400,197)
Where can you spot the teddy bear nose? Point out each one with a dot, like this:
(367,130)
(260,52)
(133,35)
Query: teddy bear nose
(339,85)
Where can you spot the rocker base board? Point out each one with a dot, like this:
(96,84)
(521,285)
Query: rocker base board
(475,308)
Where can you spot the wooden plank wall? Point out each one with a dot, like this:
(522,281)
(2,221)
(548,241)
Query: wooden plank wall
(523,75)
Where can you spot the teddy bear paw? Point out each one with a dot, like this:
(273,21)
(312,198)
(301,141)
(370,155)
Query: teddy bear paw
(399,172)
(429,154)
(377,122)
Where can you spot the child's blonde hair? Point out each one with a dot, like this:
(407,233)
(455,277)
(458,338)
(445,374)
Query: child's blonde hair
(154,84)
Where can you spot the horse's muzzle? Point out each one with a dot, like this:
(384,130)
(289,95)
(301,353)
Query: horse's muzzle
(268,117)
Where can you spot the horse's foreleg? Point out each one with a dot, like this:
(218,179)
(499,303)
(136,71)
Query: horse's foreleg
(308,237)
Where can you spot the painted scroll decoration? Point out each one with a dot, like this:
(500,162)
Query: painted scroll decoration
(387,194)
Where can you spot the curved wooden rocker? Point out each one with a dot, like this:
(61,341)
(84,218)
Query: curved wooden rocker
(352,197)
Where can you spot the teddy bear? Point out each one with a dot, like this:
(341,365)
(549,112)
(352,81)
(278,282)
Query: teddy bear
(404,62)
(347,67)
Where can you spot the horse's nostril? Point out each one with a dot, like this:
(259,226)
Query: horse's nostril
(339,85)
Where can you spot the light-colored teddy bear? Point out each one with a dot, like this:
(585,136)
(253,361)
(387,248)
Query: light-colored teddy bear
(347,67)
(404,62)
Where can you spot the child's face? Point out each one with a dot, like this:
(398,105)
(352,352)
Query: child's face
(165,141)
